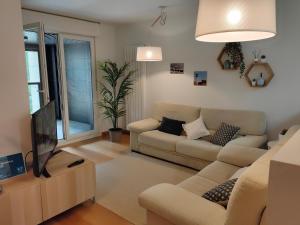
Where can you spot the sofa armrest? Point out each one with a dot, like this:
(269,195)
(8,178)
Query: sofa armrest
(250,141)
(181,207)
(143,125)
(239,155)
(291,131)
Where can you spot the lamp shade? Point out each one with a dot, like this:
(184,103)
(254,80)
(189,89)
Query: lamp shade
(149,54)
(235,20)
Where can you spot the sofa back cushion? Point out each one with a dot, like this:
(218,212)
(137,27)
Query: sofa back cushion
(249,196)
(250,122)
(176,112)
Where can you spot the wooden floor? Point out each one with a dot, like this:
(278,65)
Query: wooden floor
(124,140)
(90,213)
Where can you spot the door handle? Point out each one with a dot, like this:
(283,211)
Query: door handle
(41,91)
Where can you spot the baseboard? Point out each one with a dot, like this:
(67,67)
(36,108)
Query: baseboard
(65,143)
(165,160)
(106,133)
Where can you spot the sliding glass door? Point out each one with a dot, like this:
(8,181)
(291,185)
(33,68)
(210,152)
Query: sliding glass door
(60,68)
(77,63)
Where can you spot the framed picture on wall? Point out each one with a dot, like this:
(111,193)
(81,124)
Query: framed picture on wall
(200,78)
(177,68)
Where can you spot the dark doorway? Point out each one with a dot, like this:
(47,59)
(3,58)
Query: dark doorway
(51,46)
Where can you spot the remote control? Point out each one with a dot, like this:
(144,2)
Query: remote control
(76,163)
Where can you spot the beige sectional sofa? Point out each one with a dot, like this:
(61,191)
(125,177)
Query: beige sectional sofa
(182,204)
(145,138)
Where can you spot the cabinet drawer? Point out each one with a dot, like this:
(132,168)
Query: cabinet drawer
(68,189)
(21,206)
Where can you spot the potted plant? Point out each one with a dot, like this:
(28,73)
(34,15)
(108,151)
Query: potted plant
(116,85)
(234,51)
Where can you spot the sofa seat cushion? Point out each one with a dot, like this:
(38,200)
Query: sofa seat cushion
(181,207)
(198,185)
(250,141)
(198,149)
(239,155)
(218,172)
(160,140)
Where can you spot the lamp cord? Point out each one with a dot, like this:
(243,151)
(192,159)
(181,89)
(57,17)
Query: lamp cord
(26,157)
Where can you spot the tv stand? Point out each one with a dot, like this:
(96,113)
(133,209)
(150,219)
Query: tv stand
(29,200)
(45,172)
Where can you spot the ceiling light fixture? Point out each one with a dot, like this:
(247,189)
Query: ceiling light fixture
(235,20)
(153,53)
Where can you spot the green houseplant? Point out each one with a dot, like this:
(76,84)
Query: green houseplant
(115,86)
(234,51)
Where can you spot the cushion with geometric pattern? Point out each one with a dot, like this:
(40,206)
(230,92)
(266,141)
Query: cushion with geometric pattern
(224,134)
(221,193)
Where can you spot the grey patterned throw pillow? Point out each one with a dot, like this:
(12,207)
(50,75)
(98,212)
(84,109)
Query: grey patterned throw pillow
(224,134)
(221,193)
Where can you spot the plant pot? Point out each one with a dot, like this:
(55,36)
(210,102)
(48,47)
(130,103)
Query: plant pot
(115,134)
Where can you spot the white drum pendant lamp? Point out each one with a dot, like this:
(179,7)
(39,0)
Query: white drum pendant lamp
(149,54)
(235,20)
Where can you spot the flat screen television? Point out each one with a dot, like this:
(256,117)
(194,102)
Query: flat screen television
(44,137)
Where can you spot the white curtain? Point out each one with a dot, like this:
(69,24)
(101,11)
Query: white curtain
(135,100)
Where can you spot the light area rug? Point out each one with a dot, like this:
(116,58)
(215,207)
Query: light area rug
(122,175)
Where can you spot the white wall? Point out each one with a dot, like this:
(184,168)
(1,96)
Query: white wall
(280,100)
(14,112)
(104,35)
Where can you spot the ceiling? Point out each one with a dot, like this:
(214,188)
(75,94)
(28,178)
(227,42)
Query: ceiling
(115,11)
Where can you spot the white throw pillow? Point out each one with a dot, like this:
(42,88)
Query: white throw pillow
(195,129)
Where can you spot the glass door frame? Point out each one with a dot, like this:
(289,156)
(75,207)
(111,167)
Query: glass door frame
(39,28)
(64,94)
(39,84)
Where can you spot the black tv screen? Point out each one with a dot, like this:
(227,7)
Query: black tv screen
(44,136)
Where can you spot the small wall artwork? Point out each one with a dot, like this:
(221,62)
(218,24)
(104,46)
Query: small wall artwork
(177,68)
(200,78)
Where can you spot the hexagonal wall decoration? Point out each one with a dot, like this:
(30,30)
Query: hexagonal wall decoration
(221,59)
(255,71)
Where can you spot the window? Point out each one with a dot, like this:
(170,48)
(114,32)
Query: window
(33,79)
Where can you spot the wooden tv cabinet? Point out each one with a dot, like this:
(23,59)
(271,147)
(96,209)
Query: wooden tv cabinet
(27,200)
